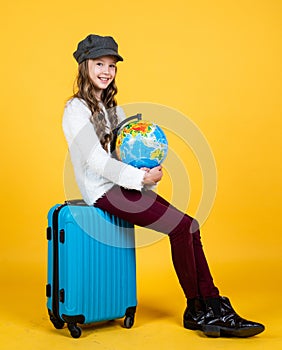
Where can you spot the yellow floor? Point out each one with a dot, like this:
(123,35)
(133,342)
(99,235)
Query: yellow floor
(24,323)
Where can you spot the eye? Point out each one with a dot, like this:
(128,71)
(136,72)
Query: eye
(113,66)
(100,64)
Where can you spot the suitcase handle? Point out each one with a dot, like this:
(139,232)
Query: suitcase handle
(76,202)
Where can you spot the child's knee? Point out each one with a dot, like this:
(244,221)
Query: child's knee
(194,226)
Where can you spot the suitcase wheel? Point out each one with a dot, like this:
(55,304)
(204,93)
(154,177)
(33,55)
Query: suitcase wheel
(128,321)
(75,331)
(58,324)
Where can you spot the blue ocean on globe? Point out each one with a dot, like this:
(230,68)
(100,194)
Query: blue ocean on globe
(142,144)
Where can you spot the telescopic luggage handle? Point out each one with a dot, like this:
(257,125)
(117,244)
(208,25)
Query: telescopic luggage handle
(79,202)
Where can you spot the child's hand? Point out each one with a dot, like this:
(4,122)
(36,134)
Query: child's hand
(153,175)
(145,169)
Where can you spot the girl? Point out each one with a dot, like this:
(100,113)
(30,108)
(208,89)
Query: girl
(122,190)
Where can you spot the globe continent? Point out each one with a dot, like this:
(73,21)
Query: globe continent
(142,144)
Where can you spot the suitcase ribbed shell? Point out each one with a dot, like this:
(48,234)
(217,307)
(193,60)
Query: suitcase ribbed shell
(94,273)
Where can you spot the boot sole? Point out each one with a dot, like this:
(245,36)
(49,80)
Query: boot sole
(192,326)
(218,331)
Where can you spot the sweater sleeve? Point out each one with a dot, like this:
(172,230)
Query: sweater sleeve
(84,143)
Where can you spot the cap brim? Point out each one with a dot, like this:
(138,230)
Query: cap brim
(106,52)
(92,54)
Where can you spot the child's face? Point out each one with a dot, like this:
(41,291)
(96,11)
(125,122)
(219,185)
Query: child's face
(102,72)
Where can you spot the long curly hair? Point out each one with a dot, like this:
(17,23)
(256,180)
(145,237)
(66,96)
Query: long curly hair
(85,89)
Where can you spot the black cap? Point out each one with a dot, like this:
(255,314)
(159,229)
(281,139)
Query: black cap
(94,46)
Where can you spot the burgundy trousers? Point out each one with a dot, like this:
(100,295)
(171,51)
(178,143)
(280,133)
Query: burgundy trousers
(148,209)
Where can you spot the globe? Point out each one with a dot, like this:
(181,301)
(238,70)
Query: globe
(141,144)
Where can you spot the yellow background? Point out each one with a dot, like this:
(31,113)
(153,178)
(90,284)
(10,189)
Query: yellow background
(217,62)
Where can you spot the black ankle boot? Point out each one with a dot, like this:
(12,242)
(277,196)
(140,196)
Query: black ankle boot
(194,314)
(221,320)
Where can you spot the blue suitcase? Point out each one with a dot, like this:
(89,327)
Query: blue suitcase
(91,267)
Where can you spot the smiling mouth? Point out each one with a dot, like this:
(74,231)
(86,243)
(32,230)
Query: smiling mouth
(105,80)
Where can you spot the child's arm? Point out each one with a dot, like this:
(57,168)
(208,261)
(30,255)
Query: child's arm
(87,152)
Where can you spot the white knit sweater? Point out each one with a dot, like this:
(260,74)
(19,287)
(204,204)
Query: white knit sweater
(95,170)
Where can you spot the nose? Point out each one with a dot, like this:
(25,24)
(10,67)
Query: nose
(106,69)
